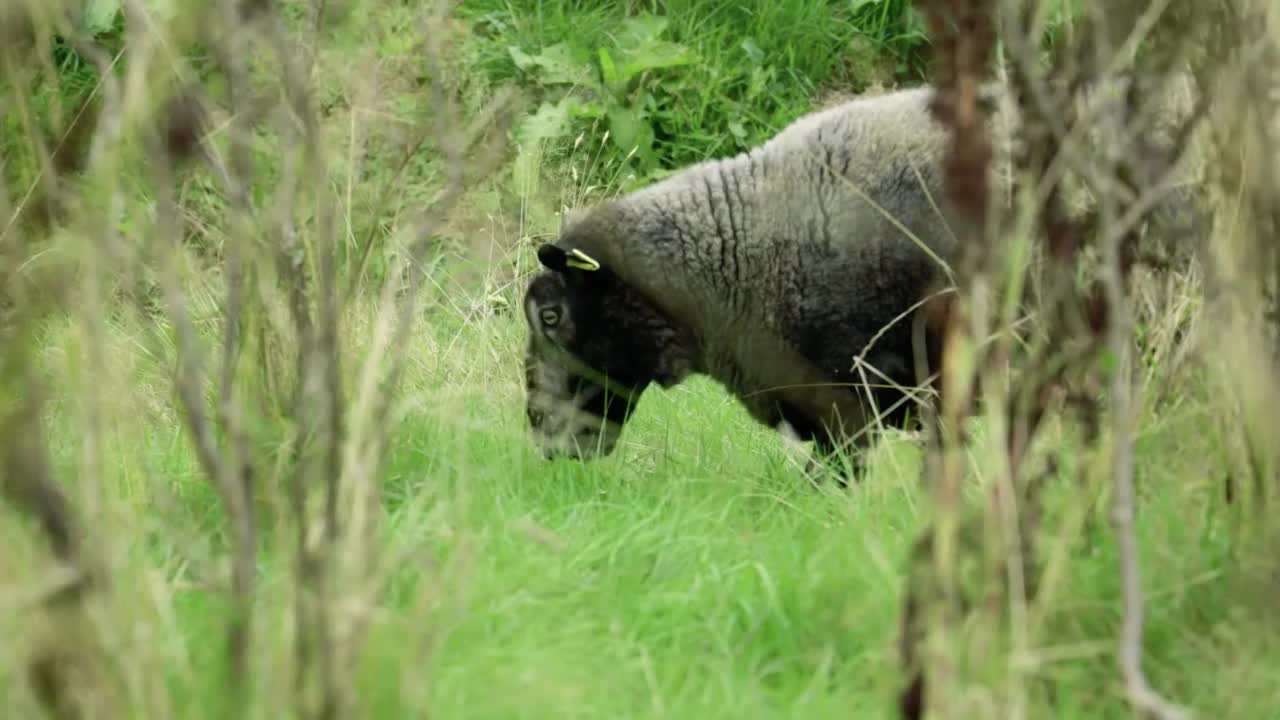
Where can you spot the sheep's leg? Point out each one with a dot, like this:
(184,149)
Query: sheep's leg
(843,461)
(824,458)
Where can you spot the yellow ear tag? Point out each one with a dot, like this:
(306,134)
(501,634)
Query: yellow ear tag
(582,261)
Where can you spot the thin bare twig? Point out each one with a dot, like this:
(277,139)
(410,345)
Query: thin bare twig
(1122,511)
(229,472)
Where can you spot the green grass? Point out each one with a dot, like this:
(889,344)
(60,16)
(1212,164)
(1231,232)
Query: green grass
(695,573)
(749,69)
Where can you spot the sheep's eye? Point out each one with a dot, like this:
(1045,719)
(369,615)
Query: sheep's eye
(549,316)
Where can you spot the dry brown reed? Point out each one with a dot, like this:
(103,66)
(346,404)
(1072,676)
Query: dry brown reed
(1127,150)
(279,252)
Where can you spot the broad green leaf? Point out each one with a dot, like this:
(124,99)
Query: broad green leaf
(753,50)
(522,59)
(640,31)
(655,57)
(759,81)
(549,123)
(624,127)
(559,67)
(589,110)
(100,15)
(609,72)
(631,133)
(555,65)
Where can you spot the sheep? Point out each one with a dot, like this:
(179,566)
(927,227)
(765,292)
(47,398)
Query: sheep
(798,275)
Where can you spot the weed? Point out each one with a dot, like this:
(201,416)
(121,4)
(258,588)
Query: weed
(693,573)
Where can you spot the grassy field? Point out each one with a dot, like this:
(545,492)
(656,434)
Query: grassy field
(693,574)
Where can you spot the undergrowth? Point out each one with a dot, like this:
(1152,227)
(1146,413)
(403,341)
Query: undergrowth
(695,573)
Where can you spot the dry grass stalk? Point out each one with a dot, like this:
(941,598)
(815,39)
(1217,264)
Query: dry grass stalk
(1239,66)
(282,252)
(1128,180)
(64,672)
(286,245)
(962,35)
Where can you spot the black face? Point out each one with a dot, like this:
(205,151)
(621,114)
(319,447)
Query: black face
(594,346)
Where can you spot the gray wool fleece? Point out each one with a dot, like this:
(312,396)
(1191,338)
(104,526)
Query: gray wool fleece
(785,262)
(814,238)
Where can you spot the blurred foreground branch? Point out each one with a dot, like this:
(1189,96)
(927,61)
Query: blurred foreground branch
(169,122)
(1096,120)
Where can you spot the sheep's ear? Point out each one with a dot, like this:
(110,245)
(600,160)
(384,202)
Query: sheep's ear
(578,259)
(552,257)
(556,258)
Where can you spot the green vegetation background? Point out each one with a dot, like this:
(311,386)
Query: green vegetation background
(694,574)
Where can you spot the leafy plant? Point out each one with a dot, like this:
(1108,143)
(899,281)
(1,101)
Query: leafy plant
(651,87)
(102,16)
(897,30)
(614,85)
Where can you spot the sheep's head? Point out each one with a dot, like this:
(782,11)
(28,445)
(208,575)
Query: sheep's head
(595,344)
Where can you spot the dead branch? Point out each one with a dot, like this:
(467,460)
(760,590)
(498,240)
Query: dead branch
(227,465)
(963,37)
(1065,117)
(1115,269)
(1139,690)
(56,671)
(26,479)
(338,447)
